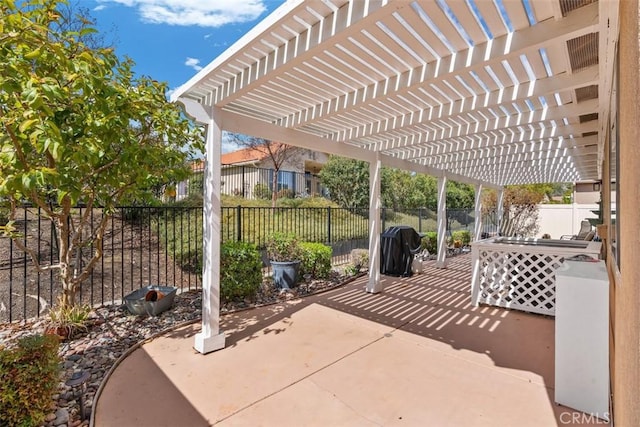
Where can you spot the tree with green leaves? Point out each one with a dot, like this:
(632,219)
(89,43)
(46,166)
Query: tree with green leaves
(402,190)
(78,128)
(347,181)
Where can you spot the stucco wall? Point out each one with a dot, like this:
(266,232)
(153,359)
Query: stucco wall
(627,285)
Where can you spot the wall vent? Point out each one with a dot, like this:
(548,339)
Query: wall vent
(586,93)
(583,51)
(588,117)
(567,6)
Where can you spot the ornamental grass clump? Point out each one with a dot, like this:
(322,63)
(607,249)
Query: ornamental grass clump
(68,321)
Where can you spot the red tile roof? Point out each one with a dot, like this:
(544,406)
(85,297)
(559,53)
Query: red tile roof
(197,165)
(246,155)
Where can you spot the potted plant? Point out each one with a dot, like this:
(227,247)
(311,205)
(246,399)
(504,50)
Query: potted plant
(283,251)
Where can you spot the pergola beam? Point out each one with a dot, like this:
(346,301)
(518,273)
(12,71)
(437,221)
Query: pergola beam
(233,122)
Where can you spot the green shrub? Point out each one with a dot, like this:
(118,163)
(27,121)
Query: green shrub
(351,270)
(240,271)
(29,375)
(430,242)
(462,235)
(315,260)
(193,200)
(262,191)
(283,247)
(289,203)
(317,202)
(196,183)
(360,259)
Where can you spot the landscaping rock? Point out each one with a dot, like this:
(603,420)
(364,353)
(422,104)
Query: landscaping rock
(62,417)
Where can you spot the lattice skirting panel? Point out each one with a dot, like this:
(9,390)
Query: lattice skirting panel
(523,281)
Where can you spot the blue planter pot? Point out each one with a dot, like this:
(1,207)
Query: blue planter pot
(285,274)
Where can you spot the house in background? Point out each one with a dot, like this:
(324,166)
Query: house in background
(249,173)
(589,192)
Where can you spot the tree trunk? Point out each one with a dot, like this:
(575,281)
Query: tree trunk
(68,296)
(62,224)
(68,286)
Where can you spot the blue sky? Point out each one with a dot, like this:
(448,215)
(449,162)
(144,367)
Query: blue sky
(170,40)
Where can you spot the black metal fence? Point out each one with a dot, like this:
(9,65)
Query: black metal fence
(141,246)
(163,245)
(252,182)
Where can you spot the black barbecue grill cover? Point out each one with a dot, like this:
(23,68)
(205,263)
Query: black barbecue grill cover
(399,244)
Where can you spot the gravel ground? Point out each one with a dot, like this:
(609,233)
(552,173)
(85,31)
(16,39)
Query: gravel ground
(113,331)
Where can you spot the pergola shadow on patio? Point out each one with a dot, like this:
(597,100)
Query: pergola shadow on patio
(437,305)
(416,354)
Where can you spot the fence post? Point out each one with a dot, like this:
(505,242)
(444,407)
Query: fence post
(239,222)
(419,220)
(328,225)
(243,184)
(383,212)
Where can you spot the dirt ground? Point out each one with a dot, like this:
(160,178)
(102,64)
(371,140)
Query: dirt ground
(133,257)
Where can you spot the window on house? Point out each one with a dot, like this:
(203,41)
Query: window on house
(286,180)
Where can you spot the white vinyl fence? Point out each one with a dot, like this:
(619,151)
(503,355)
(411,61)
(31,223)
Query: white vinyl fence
(558,220)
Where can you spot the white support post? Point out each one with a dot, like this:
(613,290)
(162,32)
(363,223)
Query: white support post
(441,262)
(375,228)
(500,209)
(477,231)
(210,338)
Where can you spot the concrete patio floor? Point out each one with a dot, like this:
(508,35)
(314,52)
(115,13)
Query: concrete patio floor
(417,354)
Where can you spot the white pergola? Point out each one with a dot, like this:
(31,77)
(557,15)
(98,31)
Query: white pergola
(486,92)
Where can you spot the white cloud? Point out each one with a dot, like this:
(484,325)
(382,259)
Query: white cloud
(228,144)
(100,7)
(193,63)
(211,13)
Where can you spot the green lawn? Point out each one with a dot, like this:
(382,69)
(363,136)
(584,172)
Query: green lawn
(311,219)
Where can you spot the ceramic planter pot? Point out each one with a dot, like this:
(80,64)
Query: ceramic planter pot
(285,273)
